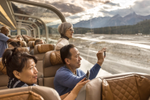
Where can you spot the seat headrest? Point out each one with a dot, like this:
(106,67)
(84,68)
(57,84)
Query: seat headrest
(52,58)
(31,44)
(42,48)
(2,69)
(25,38)
(25,49)
(55,58)
(31,39)
(23,44)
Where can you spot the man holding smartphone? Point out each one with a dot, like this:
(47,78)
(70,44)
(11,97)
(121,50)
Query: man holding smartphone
(69,75)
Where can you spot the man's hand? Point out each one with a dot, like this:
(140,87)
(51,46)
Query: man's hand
(100,56)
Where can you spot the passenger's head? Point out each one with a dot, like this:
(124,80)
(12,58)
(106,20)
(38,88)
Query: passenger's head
(66,29)
(5,30)
(70,56)
(21,65)
(39,41)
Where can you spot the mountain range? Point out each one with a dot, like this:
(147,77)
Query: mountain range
(117,20)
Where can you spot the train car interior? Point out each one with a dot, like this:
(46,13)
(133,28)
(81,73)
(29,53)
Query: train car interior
(122,27)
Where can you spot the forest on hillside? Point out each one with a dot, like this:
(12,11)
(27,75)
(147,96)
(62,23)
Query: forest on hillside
(141,27)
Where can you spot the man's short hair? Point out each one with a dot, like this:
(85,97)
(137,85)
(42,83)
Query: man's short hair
(65,52)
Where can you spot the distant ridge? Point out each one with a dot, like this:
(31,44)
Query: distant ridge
(116,20)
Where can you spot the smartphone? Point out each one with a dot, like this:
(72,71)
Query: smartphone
(87,74)
(104,53)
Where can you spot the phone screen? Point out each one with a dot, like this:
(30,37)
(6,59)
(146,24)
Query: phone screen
(87,74)
(104,53)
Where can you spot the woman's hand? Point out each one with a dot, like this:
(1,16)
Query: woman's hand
(79,85)
(73,94)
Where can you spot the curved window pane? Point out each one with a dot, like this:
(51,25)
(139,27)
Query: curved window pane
(120,26)
(23,32)
(13,32)
(47,16)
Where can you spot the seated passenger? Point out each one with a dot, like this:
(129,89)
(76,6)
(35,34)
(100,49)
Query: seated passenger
(24,72)
(69,75)
(38,41)
(66,31)
(4,39)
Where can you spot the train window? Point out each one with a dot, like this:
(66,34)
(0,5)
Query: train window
(47,16)
(13,32)
(123,27)
(23,32)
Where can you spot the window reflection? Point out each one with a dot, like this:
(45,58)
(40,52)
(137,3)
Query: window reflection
(46,15)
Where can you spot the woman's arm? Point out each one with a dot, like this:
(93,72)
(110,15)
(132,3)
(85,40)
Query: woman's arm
(64,96)
(73,94)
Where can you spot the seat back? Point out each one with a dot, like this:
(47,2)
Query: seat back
(31,44)
(4,81)
(28,38)
(3,77)
(43,48)
(25,38)
(91,91)
(51,63)
(131,86)
(39,51)
(23,44)
(24,93)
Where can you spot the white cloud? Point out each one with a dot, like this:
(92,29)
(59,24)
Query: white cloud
(95,8)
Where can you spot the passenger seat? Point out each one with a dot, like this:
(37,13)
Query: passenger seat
(3,76)
(51,63)
(39,51)
(31,44)
(127,86)
(29,93)
(23,44)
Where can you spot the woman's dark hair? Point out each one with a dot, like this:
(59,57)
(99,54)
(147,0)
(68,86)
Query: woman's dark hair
(15,44)
(65,52)
(16,59)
